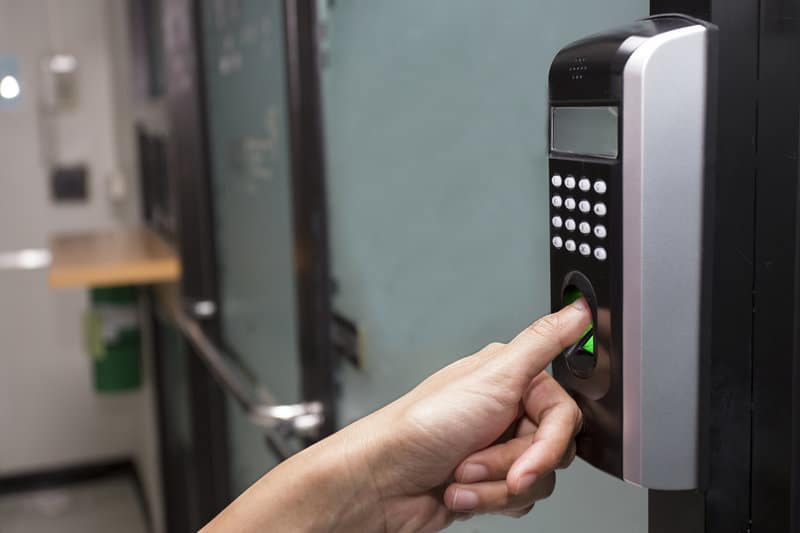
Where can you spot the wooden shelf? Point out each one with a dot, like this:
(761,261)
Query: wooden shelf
(108,258)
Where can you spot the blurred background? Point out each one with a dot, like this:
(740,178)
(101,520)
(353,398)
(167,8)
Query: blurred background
(230,227)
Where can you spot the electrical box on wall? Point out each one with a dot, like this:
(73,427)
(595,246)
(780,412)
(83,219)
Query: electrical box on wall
(69,183)
(631,124)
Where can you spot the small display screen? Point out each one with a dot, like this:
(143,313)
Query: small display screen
(585,130)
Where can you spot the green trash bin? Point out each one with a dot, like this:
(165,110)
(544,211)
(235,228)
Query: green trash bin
(113,338)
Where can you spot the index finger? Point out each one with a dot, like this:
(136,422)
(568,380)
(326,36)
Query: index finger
(537,345)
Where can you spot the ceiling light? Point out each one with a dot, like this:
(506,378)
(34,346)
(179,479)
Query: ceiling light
(9,87)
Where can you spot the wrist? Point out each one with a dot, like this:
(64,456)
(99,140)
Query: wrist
(334,482)
(375,446)
(326,487)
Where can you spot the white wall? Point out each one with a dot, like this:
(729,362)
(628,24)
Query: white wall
(49,414)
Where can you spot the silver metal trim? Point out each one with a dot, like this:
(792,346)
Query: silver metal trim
(204,308)
(664,88)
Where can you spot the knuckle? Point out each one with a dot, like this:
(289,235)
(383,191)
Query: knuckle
(547,326)
(493,347)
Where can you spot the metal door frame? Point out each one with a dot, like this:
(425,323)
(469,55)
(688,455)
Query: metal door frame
(188,169)
(190,172)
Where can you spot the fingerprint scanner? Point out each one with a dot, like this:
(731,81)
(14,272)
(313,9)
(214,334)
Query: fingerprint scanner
(572,294)
(580,357)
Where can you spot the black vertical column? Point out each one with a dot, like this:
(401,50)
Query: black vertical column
(727,497)
(189,173)
(774,351)
(309,209)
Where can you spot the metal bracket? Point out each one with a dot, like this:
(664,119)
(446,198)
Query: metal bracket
(202,309)
(345,340)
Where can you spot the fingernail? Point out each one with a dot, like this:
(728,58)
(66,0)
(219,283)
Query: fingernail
(525,482)
(472,472)
(579,304)
(464,500)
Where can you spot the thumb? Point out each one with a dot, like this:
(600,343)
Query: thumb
(537,345)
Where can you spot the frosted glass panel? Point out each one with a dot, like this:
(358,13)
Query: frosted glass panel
(245,75)
(436,116)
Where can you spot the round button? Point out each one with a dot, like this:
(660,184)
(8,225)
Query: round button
(570,245)
(584,184)
(556,180)
(569,224)
(569,182)
(569,203)
(600,209)
(585,228)
(599,253)
(600,187)
(556,201)
(557,222)
(584,206)
(600,231)
(557,242)
(584,249)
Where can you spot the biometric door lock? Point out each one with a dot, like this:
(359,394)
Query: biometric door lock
(630,164)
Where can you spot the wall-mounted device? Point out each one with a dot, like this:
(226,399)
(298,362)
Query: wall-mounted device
(631,155)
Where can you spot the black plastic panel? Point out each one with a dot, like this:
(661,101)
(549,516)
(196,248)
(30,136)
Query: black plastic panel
(599,397)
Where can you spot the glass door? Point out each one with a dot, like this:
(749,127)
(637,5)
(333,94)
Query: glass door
(251,194)
(436,117)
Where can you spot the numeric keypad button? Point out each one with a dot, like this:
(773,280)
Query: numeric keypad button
(556,180)
(600,253)
(569,224)
(600,187)
(600,209)
(557,242)
(600,231)
(557,222)
(585,249)
(569,203)
(557,201)
(584,185)
(570,245)
(569,182)
(584,206)
(585,228)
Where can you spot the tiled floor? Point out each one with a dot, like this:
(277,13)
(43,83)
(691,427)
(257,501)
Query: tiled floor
(98,506)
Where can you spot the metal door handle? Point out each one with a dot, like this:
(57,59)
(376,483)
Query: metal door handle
(300,419)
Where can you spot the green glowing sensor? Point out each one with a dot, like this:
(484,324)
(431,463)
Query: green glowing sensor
(570,296)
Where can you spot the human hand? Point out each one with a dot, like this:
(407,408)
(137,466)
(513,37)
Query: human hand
(482,435)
